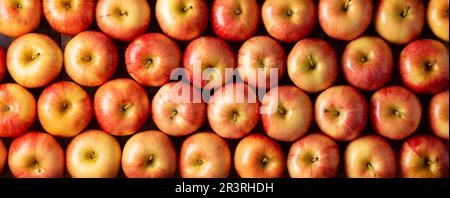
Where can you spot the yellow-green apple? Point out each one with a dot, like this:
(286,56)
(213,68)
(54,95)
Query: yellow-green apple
(182,19)
(438,115)
(290,113)
(93,154)
(36,155)
(121,106)
(235,20)
(424,156)
(261,61)
(367,63)
(399,22)
(258,156)
(149,154)
(287,20)
(345,19)
(18,17)
(151,57)
(312,65)
(2,63)
(3,155)
(204,155)
(437,18)
(233,111)
(370,156)
(313,156)
(123,20)
(423,66)
(34,60)
(341,112)
(69,16)
(17,110)
(64,109)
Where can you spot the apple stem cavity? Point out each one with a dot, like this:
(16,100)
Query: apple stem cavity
(33,57)
(347,5)
(173,114)
(312,64)
(235,115)
(370,167)
(405,12)
(429,65)
(290,12)
(150,159)
(363,59)
(199,162)
(123,13)
(397,113)
(315,159)
(237,11)
(126,107)
(333,112)
(6,108)
(264,160)
(148,63)
(188,8)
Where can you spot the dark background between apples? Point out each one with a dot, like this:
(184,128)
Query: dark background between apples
(154,27)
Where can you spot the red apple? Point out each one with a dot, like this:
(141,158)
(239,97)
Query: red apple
(2,63)
(437,17)
(19,17)
(69,16)
(3,155)
(438,115)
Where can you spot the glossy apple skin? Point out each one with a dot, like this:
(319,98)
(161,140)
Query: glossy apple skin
(438,115)
(367,63)
(393,27)
(424,156)
(18,110)
(36,155)
(123,20)
(423,66)
(121,107)
(149,154)
(64,109)
(34,60)
(312,65)
(204,155)
(292,113)
(182,20)
(313,156)
(93,154)
(261,52)
(437,18)
(178,118)
(3,155)
(2,63)
(150,59)
(341,112)
(69,16)
(19,17)
(235,20)
(289,21)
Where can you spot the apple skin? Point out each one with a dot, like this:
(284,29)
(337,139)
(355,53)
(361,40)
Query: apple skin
(204,155)
(34,60)
(69,16)
(313,156)
(3,155)
(182,20)
(19,17)
(121,107)
(235,20)
(150,59)
(367,63)
(292,113)
(93,154)
(289,21)
(341,112)
(2,63)
(424,156)
(399,22)
(149,154)
(64,109)
(438,115)
(18,110)
(312,65)
(437,18)
(423,66)
(36,155)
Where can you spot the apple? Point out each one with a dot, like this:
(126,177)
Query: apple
(183,20)
(313,156)
(2,63)
(17,110)
(399,22)
(367,63)
(312,65)
(36,155)
(19,17)
(34,60)
(204,155)
(437,18)
(424,156)
(64,109)
(423,66)
(3,155)
(93,154)
(289,21)
(341,112)
(438,115)
(150,59)
(290,113)
(235,20)
(69,16)
(90,58)
(121,106)
(149,154)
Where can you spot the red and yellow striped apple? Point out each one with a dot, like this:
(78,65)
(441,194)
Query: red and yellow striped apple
(437,18)
(69,16)
(19,17)
(438,115)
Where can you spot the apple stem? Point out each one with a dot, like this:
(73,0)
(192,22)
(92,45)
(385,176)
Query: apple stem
(35,56)
(126,107)
(19,6)
(315,159)
(281,110)
(405,12)
(432,162)
(188,8)
(264,160)
(312,65)
(347,4)
(333,112)
(6,108)
(237,11)
(374,174)
(148,63)
(173,114)
(397,113)
(235,115)
(290,12)
(123,13)
(429,65)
